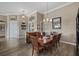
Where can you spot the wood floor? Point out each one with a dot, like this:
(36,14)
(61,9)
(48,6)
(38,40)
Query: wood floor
(18,47)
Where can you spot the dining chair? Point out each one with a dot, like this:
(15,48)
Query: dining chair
(35,46)
(59,37)
(49,44)
(54,40)
(27,38)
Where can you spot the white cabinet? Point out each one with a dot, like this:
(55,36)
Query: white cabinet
(23,26)
(35,22)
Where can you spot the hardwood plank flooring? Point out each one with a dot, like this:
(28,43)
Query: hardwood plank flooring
(18,47)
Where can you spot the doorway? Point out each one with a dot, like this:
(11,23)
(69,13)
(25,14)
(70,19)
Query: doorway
(13,29)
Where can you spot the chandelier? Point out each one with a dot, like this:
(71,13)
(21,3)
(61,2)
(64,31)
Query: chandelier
(47,19)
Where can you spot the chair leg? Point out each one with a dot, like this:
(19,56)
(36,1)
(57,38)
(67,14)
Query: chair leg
(32,52)
(38,52)
(59,43)
(56,44)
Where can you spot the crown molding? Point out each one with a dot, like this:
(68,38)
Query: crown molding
(51,10)
(9,14)
(3,14)
(32,13)
(64,5)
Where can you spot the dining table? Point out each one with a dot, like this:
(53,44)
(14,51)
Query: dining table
(44,41)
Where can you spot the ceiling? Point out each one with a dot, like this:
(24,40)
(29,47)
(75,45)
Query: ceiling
(28,7)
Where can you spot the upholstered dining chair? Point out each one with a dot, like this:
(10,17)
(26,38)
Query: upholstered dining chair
(35,46)
(59,37)
(50,43)
(54,40)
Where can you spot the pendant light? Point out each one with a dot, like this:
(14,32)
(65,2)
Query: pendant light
(23,16)
(47,19)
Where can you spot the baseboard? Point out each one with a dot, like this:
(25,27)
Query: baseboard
(68,43)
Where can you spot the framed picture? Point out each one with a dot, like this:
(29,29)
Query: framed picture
(56,23)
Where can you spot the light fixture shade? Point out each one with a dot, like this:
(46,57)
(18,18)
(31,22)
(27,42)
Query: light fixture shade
(23,16)
(47,19)
(43,20)
(50,20)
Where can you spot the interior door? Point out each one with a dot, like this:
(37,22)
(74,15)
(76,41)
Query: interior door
(14,33)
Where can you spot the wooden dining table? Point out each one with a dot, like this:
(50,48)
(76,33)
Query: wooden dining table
(45,40)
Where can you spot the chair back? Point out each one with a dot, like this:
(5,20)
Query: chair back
(34,41)
(44,33)
(54,41)
(59,36)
